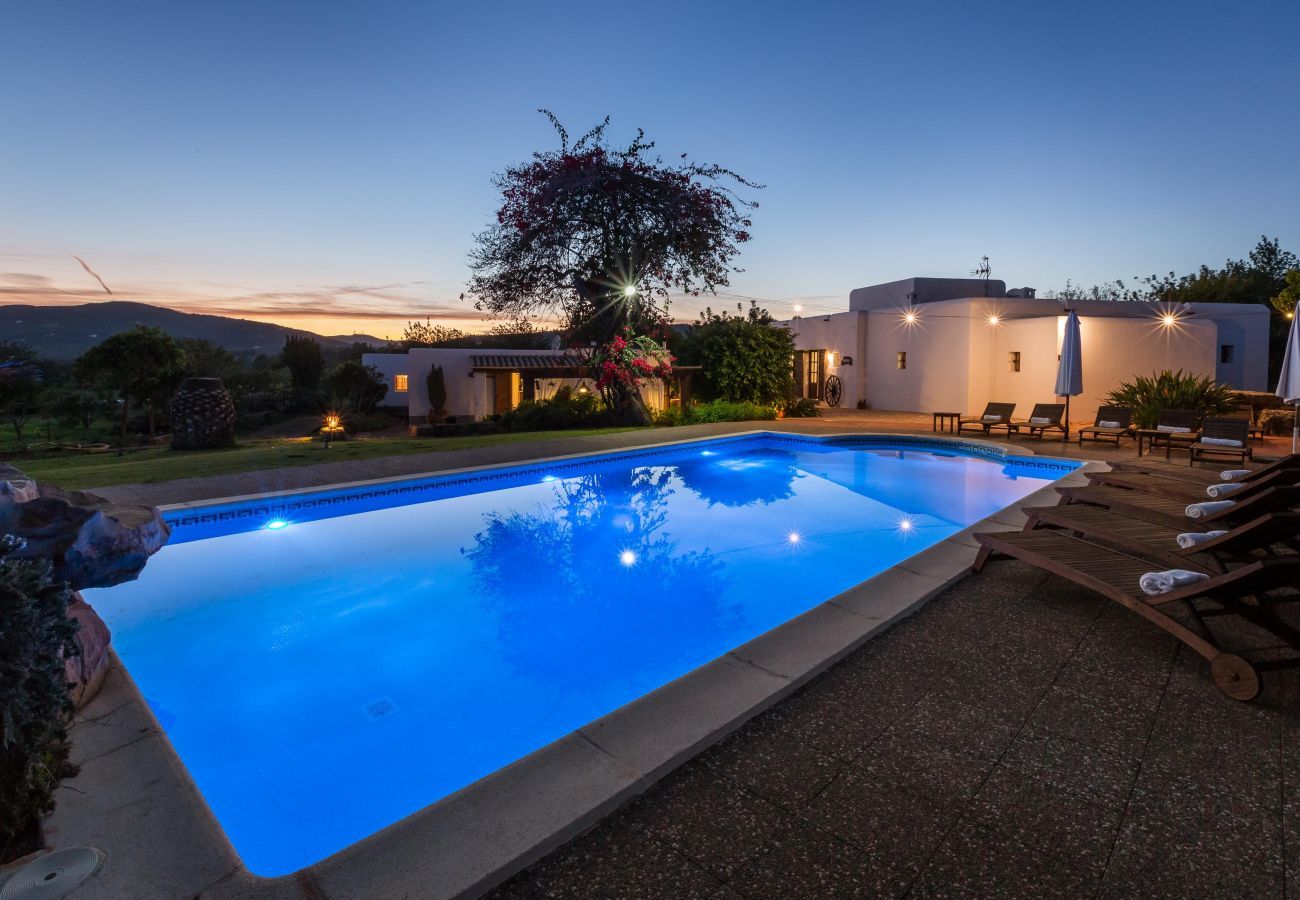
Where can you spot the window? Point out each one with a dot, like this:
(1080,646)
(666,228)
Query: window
(400,383)
(902,359)
(1013,361)
(1226,353)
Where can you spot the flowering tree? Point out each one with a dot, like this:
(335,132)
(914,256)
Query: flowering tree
(622,364)
(599,237)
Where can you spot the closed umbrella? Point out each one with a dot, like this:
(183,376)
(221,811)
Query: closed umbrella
(1288,385)
(1069,373)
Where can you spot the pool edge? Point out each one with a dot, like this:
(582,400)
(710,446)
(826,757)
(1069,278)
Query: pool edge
(497,826)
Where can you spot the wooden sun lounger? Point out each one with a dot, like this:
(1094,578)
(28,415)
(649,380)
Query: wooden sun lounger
(1252,592)
(1003,411)
(1237,430)
(1167,511)
(1189,491)
(1052,412)
(1098,432)
(1271,534)
(1202,476)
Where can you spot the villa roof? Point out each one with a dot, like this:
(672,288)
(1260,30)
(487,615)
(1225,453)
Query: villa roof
(531,361)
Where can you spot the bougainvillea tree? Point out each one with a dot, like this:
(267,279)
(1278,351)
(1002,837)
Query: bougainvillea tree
(599,237)
(620,367)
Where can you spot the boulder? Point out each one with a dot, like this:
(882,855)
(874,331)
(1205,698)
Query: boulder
(86,671)
(15,486)
(90,541)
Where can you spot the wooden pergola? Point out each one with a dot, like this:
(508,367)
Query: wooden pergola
(562,365)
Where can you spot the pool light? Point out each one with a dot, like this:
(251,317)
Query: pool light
(277,524)
(793,537)
(627,558)
(548,478)
(906,525)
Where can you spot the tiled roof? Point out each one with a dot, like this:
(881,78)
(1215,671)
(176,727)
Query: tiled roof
(510,361)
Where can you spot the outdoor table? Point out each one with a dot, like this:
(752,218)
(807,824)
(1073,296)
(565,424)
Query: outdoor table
(945,421)
(1153,438)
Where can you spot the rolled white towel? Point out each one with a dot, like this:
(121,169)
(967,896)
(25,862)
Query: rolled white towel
(1208,508)
(1190,539)
(1218,490)
(1221,442)
(990,418)
(1233,474)
(1039,420)
(1173,429)
(1153,583)
(1109,425)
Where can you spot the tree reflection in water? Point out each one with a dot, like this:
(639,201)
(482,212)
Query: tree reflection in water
(757,477)
(594,581)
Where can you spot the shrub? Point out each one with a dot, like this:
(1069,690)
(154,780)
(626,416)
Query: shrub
(435,385)
(1171,390)
(1277,421)
(565,410)
(802,408)
(36,636)
(727,411)
(745,358)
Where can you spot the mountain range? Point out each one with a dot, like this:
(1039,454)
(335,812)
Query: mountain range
(65,332)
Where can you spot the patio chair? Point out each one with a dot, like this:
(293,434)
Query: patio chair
(1252,592)
(1111,424)
(1204,476)
(1223,437)
(1176,429)
(1044,418)
(1194,491)
(995,415)
(1247,411)
(1272,534)
(1168,511)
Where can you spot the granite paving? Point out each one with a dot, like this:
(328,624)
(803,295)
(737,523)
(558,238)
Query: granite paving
(1018,737)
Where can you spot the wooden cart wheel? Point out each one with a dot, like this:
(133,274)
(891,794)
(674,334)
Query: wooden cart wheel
(834,390)
(1234,676)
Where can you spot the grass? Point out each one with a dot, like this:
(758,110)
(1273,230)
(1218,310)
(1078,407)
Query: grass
(80,470)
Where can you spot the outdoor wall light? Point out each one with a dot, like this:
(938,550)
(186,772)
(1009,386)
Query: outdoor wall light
(1168,320)
(846,361)
(994,319)
(798,308)
(911,316)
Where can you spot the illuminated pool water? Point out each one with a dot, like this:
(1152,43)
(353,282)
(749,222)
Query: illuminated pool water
(327,663)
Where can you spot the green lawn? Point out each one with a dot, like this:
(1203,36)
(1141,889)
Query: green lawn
(77,470)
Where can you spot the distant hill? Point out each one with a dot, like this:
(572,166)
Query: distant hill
(65,332)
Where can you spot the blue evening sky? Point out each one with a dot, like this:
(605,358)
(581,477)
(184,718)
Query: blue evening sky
(326,164)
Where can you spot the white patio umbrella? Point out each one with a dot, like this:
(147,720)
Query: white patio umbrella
(1069,373)
(1288,384)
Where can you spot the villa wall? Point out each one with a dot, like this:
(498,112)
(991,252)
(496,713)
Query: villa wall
(845,334)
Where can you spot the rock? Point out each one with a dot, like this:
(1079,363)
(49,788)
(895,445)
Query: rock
(86,672)
(15,486)
(90,541)
(202,415)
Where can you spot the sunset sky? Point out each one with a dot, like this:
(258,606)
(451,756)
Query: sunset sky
(326,165)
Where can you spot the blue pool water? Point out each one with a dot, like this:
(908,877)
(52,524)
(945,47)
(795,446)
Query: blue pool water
(329,663)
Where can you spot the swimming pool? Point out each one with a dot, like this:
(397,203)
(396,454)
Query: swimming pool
(327,663)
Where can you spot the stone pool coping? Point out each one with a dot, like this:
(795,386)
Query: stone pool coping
(135,801)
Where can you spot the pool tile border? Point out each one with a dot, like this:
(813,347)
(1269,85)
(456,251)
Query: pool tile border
(472,840)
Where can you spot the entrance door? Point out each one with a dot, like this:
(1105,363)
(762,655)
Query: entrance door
(809,379)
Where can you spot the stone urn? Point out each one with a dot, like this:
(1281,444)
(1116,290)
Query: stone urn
(203,415)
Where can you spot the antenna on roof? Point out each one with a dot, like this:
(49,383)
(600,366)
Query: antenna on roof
(984,269)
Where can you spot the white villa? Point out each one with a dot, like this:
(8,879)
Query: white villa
(483,382)
(955,344)
(920,344)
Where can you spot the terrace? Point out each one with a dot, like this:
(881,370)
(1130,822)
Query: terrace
(1015,736)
